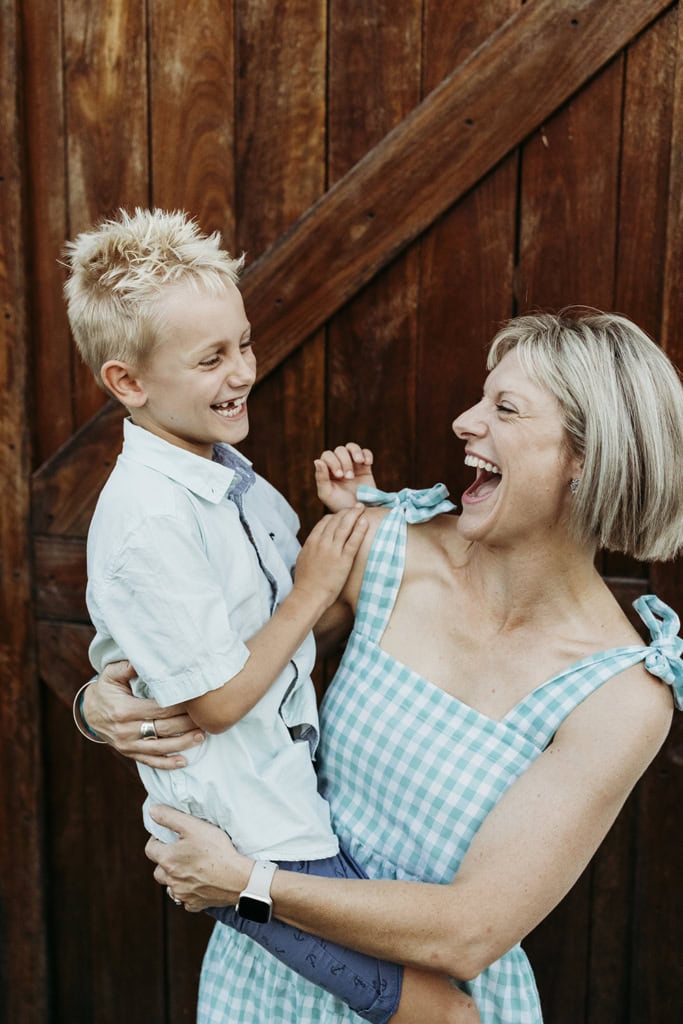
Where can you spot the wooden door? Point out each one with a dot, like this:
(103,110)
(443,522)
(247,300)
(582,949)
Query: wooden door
(403,177)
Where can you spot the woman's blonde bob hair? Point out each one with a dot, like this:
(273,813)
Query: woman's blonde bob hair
(622,404)
(119,270)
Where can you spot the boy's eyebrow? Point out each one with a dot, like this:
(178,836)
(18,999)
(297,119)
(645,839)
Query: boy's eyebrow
(204,346)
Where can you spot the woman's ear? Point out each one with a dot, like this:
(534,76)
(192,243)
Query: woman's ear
(122,381)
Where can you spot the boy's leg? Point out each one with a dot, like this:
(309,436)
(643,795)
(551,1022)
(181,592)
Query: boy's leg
(370,987)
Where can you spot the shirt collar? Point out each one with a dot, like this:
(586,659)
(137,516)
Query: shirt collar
(208,479)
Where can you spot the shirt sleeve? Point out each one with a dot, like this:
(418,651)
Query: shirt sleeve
(162,603)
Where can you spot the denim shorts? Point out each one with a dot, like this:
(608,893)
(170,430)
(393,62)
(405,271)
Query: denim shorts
(370,987)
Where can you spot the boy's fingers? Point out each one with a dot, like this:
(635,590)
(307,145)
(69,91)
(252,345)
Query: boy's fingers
(368,457)
(331,460)
(355,451)
(345,461)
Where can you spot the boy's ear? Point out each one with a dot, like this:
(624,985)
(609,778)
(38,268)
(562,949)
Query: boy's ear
(122,381)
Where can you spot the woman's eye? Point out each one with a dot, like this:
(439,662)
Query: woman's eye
(504,408)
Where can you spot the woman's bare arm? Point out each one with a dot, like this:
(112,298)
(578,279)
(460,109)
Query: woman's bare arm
(526,856)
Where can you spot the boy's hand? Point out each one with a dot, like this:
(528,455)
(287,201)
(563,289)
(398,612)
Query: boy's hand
(325,560)
(339,473)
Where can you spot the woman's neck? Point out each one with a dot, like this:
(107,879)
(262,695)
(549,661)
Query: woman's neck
(533,582)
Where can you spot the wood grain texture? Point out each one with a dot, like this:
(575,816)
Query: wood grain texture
(467,264)
(53,355)
(105,83)
(60,576)
(66,487)
(374,82)
(658,909)
(280,144)
(441,149)
(192,115)
(23,948)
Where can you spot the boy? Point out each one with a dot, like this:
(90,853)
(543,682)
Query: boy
(189,566)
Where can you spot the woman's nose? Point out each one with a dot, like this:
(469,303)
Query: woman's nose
(469,423)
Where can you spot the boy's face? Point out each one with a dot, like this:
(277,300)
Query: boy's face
(197,379)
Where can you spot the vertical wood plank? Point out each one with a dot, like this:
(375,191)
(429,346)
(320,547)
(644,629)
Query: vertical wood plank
(644,171)
(280,149)
(568,226)
(568,201)
(467,262)
(374,82)
(668,578)
(100,859)
(105,56)
(658,894)
(191,55)
(53,353)
(23,963)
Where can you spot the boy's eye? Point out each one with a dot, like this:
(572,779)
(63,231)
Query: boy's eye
(211,361)
(246,345)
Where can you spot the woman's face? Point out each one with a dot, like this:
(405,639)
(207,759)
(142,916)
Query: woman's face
(516,443)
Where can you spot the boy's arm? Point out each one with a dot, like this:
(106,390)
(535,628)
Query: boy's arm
(321,571)
(332,628)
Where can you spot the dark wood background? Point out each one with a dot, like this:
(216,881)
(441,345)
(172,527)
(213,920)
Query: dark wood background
(403,175)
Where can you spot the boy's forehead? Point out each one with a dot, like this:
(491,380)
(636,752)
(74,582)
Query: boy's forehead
(188,303)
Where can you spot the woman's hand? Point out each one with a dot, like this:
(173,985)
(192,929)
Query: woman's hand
(202,869)
(339,473)
(111,710)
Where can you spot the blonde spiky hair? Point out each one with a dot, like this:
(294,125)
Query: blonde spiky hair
(118,270)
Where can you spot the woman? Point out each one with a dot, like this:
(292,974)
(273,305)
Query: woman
(470,734)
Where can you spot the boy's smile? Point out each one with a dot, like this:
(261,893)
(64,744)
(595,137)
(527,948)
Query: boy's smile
(195,382)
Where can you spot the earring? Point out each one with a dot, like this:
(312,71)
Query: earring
(574,485)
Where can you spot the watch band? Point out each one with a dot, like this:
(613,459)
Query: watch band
(255,903)
(260,879)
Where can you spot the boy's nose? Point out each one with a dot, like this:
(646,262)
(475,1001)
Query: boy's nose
(242,372)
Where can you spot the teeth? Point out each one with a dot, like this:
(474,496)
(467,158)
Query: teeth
(477,463)
(229,409)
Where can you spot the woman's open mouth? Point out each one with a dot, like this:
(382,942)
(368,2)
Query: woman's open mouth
(487,480)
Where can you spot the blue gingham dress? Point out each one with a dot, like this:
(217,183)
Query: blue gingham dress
(410,774)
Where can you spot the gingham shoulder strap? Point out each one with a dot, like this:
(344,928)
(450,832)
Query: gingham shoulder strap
(386,561)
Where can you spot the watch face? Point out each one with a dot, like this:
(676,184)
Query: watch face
(254,909)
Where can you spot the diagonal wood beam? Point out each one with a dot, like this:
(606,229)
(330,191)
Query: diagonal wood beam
(486,107)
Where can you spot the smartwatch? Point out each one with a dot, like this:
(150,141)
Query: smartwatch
(255,903)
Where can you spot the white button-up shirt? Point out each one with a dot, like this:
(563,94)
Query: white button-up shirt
(176,585)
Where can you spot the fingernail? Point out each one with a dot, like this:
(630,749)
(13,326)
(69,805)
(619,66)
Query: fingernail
(338,472)
(349,474)
(179,762)
(199,738)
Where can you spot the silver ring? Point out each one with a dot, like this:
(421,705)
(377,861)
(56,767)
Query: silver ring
(172,896)
(148,730)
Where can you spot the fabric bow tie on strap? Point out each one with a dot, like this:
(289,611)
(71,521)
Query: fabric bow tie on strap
(417,506)
(664,656)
